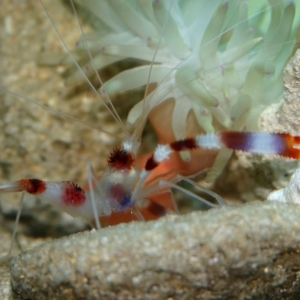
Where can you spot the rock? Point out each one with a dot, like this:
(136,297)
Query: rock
(284,116)
(291,193)
(247,252)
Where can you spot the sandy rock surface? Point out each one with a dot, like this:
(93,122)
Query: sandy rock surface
(246,252)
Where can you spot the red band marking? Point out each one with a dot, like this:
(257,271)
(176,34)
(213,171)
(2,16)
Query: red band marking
(290,142)
(156,209)
(120,159)
(33,186)
(151,163)
(235,140)
(73,194)
(186,144)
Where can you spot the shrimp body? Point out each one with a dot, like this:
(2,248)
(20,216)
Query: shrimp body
(122,185)
(111,193)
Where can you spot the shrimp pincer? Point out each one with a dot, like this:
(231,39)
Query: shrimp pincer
(122,185)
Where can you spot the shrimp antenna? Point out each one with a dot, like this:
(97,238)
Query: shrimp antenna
(157,47)
(137,132)
(79,68)
(113,110)
(59,113)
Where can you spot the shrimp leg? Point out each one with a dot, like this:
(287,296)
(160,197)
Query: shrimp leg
(262,143)
(65,195)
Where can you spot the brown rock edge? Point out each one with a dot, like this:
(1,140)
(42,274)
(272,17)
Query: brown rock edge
(246,252)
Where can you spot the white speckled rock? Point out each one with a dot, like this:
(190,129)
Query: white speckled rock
(248,252)
(284,116)
(289,194)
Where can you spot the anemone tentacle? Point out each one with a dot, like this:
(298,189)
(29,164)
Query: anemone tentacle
(217,59)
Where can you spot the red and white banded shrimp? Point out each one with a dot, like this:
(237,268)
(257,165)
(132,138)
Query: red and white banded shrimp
(121,186)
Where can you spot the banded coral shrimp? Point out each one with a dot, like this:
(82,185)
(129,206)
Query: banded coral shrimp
(57,152)
(83,168)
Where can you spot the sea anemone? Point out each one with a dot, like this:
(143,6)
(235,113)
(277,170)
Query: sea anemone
(219,60)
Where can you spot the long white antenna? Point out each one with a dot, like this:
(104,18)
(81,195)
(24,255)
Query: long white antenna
(57,112)
(157,47)
(137,132)
(77,65)
(113,111)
